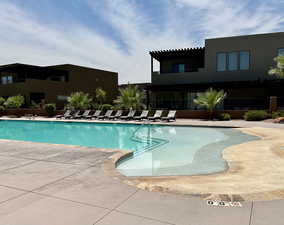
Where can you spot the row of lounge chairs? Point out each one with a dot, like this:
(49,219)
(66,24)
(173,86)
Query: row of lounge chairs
(118,115)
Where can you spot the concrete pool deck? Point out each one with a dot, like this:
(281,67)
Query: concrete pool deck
(45,184)
(50,184)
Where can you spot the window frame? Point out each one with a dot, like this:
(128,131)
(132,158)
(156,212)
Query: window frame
(238,61)
(278,51)
(228,61)
(249,60)
(217,61)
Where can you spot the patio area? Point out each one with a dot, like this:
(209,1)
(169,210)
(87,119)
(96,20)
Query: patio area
(54,184)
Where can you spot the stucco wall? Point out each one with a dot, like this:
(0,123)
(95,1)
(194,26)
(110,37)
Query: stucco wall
(263,49)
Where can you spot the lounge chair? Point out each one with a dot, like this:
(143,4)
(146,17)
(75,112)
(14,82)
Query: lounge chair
(116,116)
(171,116)
(157,116)
(129,116)
(107,115)
(66,114)
(84,115)
(143,115)
(76,115)
(96,114)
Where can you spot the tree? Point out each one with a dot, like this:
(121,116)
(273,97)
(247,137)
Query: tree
(79,101)
(130,98)
(15,102)
(101,96)
(210,99)
(279,70)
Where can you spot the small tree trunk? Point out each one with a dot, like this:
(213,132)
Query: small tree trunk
(210,114)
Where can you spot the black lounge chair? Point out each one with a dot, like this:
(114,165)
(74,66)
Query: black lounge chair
(94,115)
(107,115)
(66,114)
(116,116)
(129,116)
(171,116)
(97,114)
(157,116)
(84,115)
(143,115)
(76,115)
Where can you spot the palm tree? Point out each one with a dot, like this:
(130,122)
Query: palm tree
(100,95)
(130,98)
(210,99)
(279,70)
(79,100)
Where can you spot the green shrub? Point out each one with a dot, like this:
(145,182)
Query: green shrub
(277,114)
(2,108)
(256,115)
(15,102)
(50,109)
(106,107)
(224,116)
(34,105)
(2,101)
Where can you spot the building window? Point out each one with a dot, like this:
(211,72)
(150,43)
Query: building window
(62,98)
(4,80)
(7,80)
(233,61)
(221,61)
(179,68)
(244,60)
(281,52)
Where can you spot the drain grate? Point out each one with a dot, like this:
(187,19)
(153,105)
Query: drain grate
(223,203)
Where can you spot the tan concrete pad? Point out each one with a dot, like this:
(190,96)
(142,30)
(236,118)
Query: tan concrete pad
(8,193)
(36,175)
(7,162)
(34,209)
(91,186)
(182,211)
(30,150)
(268,213)
(116,218)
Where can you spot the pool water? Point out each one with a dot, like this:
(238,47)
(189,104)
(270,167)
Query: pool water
(158,150)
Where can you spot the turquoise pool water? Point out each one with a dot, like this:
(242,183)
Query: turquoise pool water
(158,150)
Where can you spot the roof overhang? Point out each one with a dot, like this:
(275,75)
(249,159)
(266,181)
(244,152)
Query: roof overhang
(174,53)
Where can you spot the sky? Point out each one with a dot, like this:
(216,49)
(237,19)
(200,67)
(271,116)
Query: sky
(117,35)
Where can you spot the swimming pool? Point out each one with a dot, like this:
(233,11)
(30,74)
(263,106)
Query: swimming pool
(158,150)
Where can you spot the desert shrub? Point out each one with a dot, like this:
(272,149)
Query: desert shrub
(224,116)
(277,114)
(49,109)
(14,102)
(256,115)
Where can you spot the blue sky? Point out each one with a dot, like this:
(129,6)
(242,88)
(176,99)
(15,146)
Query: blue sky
(118,34)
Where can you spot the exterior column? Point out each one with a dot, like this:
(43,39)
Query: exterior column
(273,104)
(152,66)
